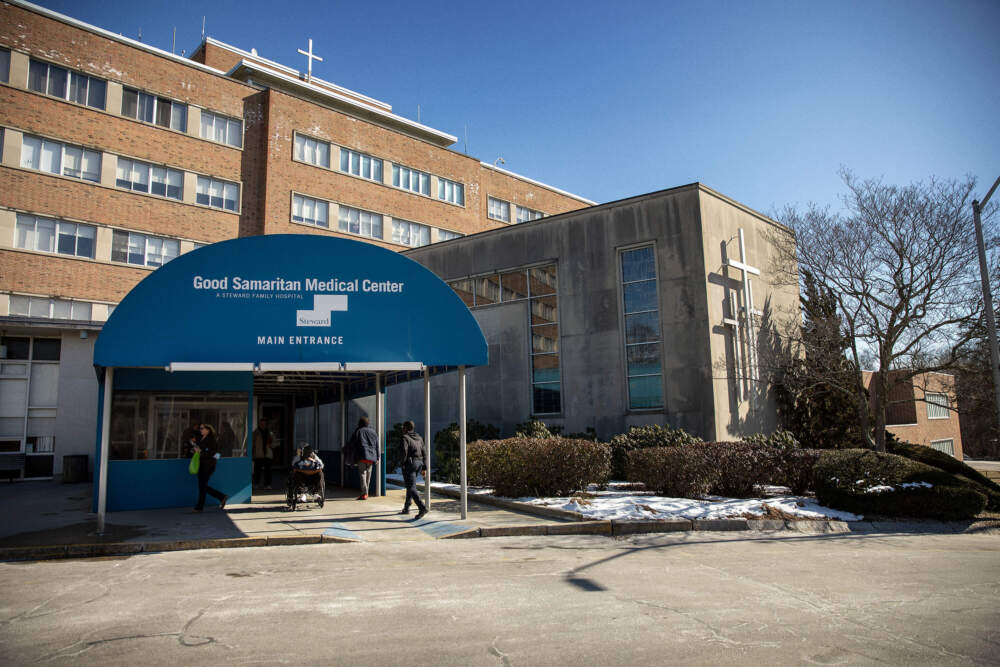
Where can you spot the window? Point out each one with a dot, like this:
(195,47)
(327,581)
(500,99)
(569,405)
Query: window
(537,285)
(498,209)
(61,82)
(310,211)
(218,194)
(411,179)
(361,165)
(143,250)
(60,309)
(527,214)
(445,235)
(312,151)
(148,425)
(410,233)
(221,129)
(937,406)
(152,109)
(56,236)
(55,157)
(142,177)
(642,329)
(363,223)
(946,446)
(451,191)
(5,65)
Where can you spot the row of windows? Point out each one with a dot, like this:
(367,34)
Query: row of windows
(317,152)
(56,157)
(80,240)
(498,209)
(539,287)
(50,308)
(311,211)
(67,84)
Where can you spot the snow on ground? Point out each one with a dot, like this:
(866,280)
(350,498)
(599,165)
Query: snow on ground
(618,502)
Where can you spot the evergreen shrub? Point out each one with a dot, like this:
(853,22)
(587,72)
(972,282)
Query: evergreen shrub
(948,463)
(675,472)
(539,467)
(740,467)
(796,468)
(447,463)
(643,437)
(867,482)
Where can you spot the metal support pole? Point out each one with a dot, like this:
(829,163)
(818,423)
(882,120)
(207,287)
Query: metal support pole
(343,432)
(427,437)
(315,442)
(984,274)
(378,432)
(102,482)
(461,440)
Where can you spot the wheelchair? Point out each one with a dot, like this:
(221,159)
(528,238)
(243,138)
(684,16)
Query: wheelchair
(305,486)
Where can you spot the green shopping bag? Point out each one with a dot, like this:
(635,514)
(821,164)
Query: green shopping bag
(195,463)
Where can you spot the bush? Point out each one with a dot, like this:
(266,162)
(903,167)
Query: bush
(643,437)
(448,466)
(532,428)
(797,469)
(675,472)
(741,467)
(539,467)
(780,441)
(867,482)
(948,463)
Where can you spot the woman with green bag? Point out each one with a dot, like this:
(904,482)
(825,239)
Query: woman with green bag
(206,449)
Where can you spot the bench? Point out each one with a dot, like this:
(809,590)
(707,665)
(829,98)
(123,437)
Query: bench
(13,463)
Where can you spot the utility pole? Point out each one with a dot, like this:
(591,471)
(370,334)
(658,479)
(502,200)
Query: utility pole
(984,274)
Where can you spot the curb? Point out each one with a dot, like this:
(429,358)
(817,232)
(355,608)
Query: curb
(131,548)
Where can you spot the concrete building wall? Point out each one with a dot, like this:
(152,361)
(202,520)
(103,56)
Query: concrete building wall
(77,423)
(585,245)
(775,297)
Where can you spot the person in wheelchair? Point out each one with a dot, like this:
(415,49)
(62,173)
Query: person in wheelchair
(306,479)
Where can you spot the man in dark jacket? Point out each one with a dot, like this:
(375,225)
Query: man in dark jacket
(413,463)
(363,450)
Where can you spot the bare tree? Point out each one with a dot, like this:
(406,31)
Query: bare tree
(901,263)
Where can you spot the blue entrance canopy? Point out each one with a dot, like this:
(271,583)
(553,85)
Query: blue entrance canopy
(281,300)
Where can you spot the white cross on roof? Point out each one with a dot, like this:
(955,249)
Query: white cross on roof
(309,54)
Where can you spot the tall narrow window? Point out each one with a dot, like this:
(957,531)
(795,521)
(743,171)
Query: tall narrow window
(5,65)
(451,191)
(644,372)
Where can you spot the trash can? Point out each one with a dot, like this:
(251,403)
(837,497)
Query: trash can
(75,469)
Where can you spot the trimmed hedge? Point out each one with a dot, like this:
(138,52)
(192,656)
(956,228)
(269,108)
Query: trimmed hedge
(643,437)
(539,467)
(948,463)
(447,462)
(675,472)
(740,467)
(867,482)
(797,469)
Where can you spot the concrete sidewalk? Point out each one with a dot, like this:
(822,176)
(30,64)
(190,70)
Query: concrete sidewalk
(47,519)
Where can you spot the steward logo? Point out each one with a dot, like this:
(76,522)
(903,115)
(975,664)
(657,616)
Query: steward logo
(323,307)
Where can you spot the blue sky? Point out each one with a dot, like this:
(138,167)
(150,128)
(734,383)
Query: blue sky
(763,101)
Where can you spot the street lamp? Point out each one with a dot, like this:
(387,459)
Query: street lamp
(991,325)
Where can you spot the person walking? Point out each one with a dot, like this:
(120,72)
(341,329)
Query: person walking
(413,463)
(363,449)
(263,454)
(209,448)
